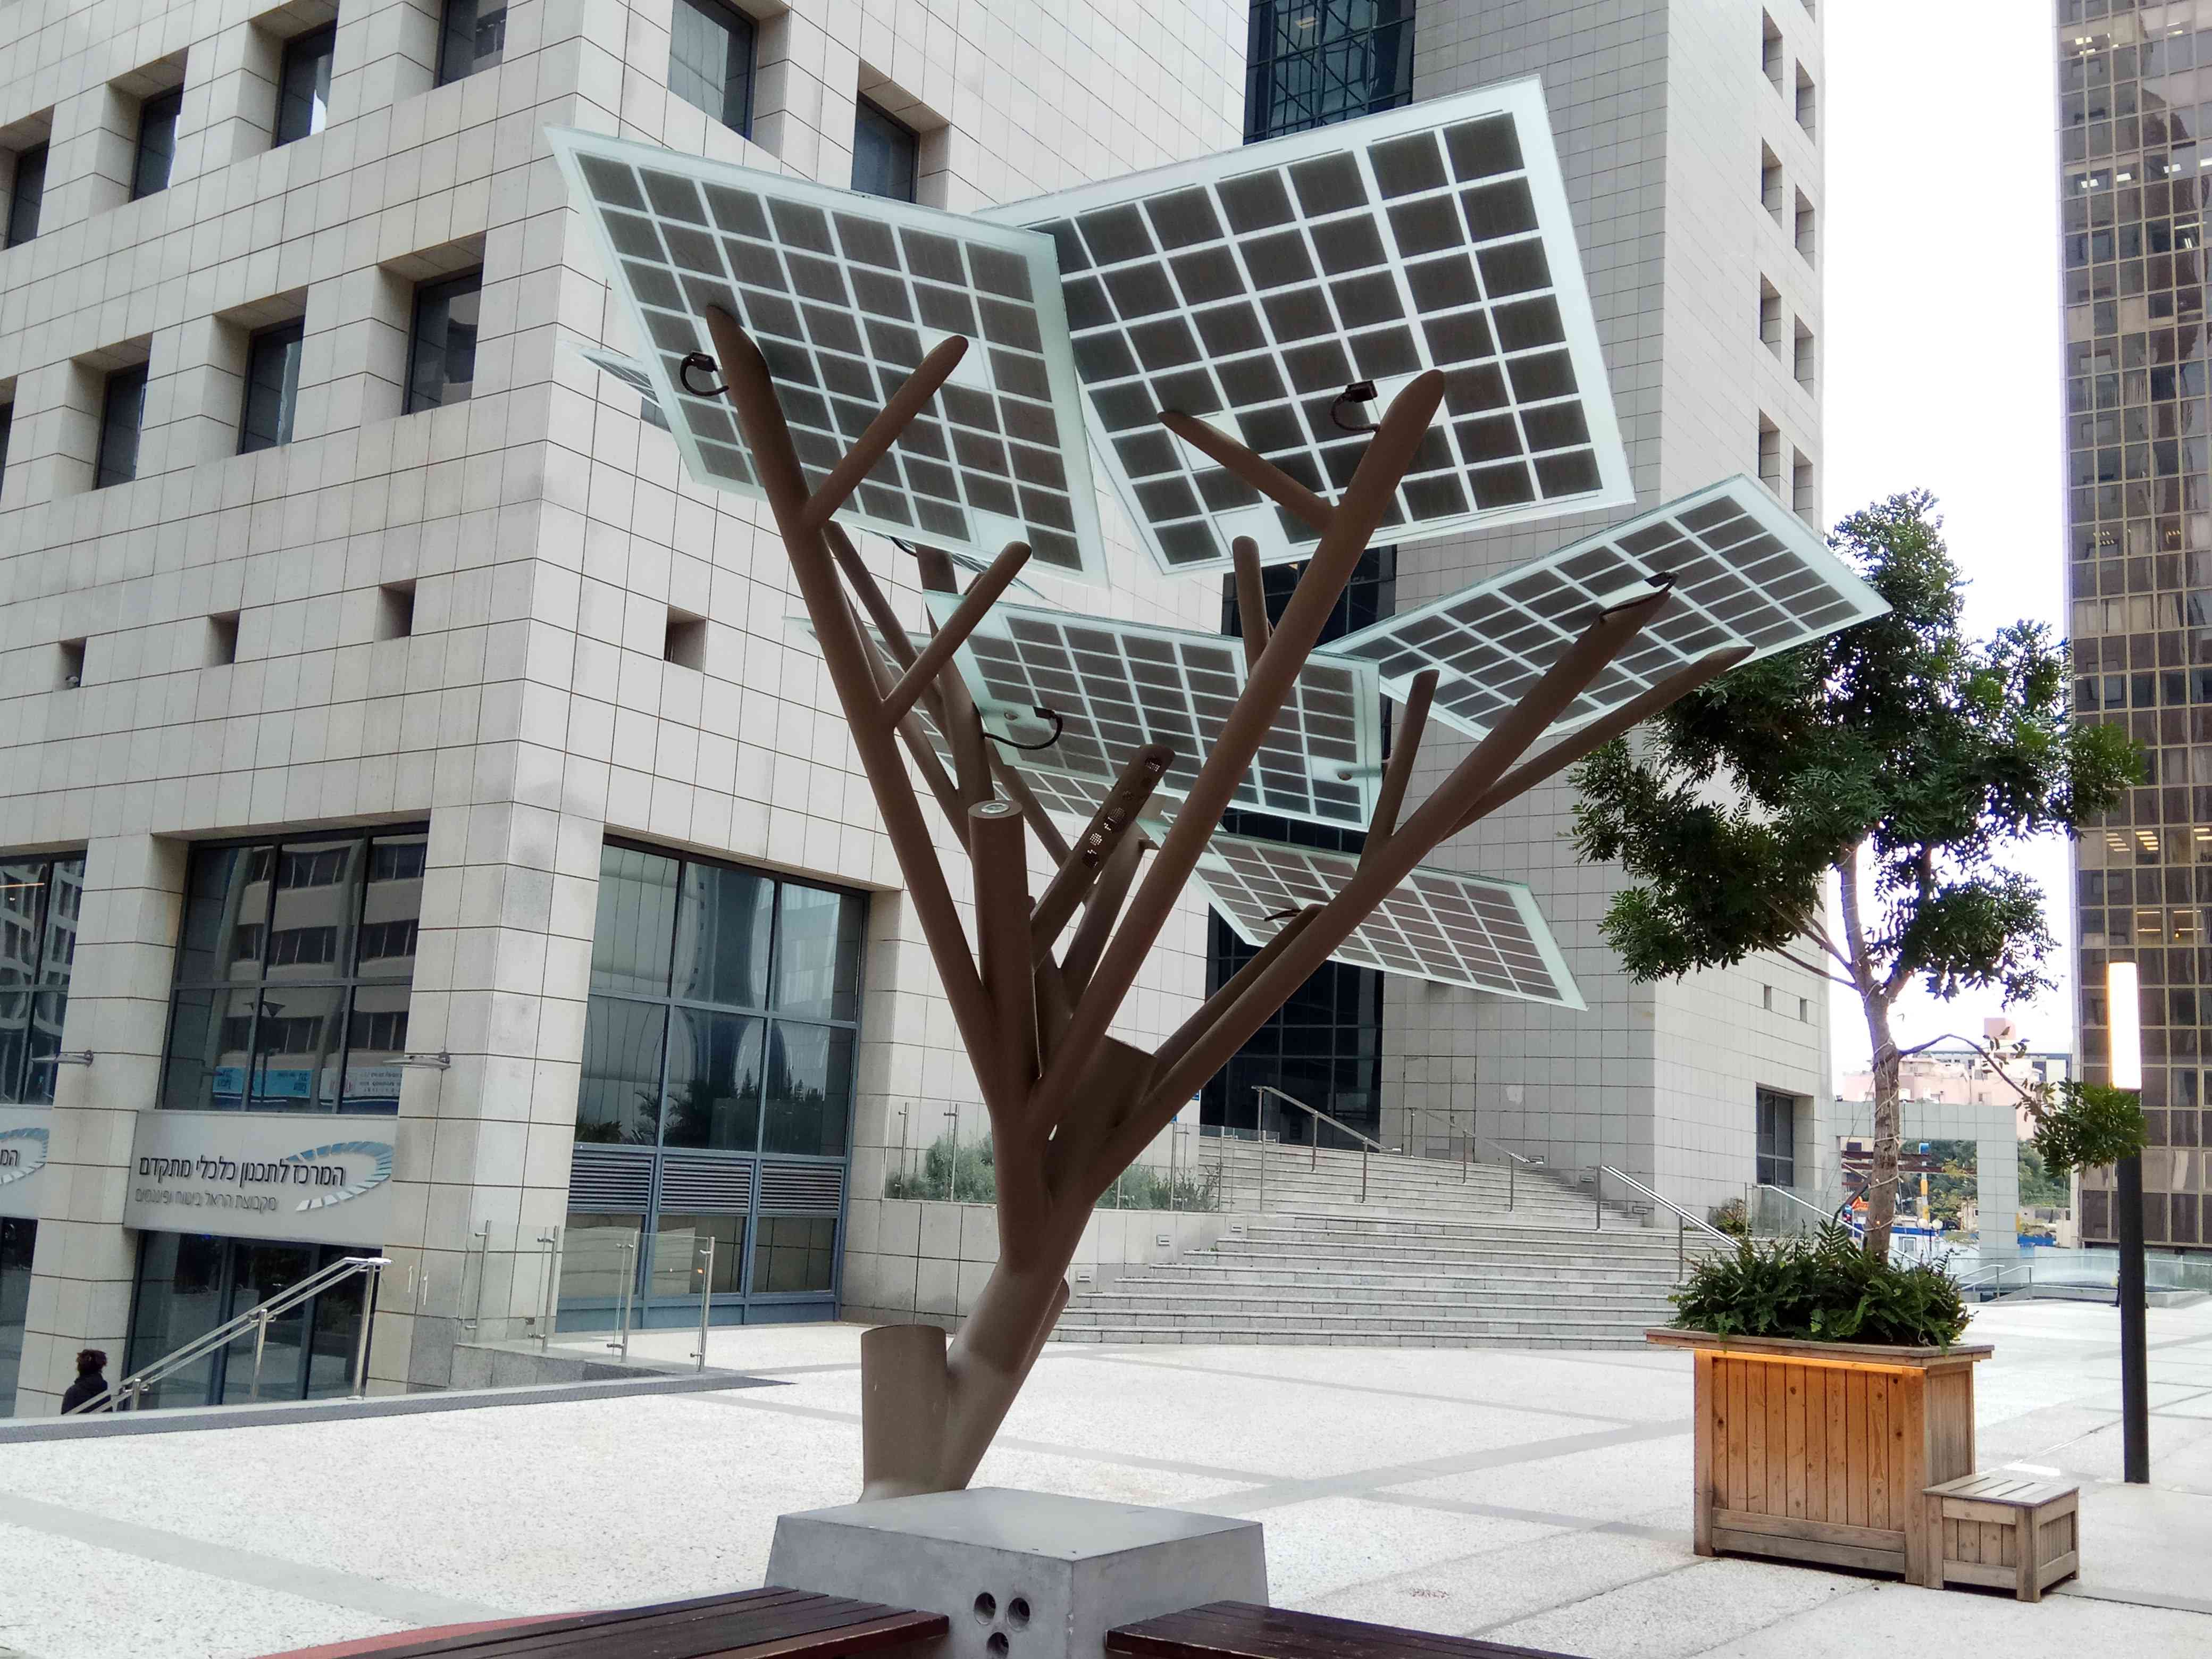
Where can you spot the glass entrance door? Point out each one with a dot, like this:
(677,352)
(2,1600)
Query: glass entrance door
(190,1283)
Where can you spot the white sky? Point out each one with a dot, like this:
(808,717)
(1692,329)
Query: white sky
(1940,243)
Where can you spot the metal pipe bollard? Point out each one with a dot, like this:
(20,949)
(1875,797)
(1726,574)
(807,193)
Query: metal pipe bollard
(706,1295)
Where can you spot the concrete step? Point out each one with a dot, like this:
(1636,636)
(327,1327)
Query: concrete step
(1108,1303)
(1255,1280)
(1146,1334)
(1563,1325)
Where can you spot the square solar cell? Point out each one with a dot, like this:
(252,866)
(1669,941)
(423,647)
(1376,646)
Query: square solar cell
(1435,236)
(1745,569)
(1437,925)
(1117,686)
(845,294)
(631,373)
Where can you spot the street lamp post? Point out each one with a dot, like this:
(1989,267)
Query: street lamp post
(2124,1014)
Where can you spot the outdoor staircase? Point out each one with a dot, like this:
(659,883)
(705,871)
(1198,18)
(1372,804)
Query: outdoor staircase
(1433,1258)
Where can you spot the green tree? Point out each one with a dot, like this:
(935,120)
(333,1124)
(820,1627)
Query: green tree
(2038,1187)
(1900,758)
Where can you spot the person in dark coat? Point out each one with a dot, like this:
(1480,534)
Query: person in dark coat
(91,1381)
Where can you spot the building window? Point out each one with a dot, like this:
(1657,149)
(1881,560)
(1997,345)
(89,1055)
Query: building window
(303,90)
(122,417)
(1770,317)
(1801,486)
(724,1013)
(1309,62)
(294,973)
(7,429)
(1775,1116)
(27,194)
(157,143)
(474,37)
(40,899)
(1803,362)
(1805,229)
(886,154)
(272,387)
(724,1009)
(1770,182)
(1770,454)
(1807,100)
(1770,49)
(441,356)
(710,61)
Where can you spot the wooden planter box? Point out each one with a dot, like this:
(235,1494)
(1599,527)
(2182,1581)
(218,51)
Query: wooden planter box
(1823,1451)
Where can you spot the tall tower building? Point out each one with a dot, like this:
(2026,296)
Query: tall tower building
(1690,137)
(2132,105)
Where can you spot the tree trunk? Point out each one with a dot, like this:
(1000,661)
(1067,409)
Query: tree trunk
(1882,1181)
(1873,998)
(930,1408)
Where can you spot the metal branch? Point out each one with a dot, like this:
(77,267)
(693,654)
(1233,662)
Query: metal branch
(845,650)
(1399,772)
(1251,599)
(940,782)
(1100,908)
(1366,500)
(1601,731)
(1233,1025)
(1263,476)
(1079,868)
(999,853)
(1193,1029)
(953,634)
(875,442)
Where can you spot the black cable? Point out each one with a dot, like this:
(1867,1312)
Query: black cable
(698,360)
(1042,713)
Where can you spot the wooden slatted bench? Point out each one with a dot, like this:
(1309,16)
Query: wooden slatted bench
(761,1623)
(1241,1630)
(2005,1531)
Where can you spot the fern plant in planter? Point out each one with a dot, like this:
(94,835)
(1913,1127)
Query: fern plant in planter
(1820,1287)
(1831,1390)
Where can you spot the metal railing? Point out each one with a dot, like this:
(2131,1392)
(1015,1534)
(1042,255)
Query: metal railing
(129,1394)
(1792,1214)
(1987,1282)
(1684,1221)
(1313,1161)
(1468,1141)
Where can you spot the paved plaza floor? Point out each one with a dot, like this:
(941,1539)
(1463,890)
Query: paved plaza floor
(1534,1498)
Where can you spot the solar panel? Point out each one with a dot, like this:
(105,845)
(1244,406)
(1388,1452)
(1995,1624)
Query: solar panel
(1437,925)
(1745,569)
(631,373)
(1251,288)
(1117,686)
(845,294)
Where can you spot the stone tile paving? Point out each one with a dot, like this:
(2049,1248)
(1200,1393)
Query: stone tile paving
(1535,1498)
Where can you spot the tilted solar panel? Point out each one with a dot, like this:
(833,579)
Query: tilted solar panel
(1437,925)
(844,294)
(1118,686)
(1252,288)
(1745,571)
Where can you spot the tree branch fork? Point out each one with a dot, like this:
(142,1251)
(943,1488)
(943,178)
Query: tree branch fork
(1069,1106)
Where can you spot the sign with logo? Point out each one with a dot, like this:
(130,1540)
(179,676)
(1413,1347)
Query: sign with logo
(318,1176)
(23,1141)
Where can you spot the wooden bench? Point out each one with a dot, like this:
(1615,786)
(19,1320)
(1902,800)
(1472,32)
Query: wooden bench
(1240,1630)
(2006,1531)
(761,1623)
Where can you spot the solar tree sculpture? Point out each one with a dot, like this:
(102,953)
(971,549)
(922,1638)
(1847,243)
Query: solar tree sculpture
(1219,331)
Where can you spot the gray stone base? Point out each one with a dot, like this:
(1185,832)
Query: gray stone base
(1021,1575)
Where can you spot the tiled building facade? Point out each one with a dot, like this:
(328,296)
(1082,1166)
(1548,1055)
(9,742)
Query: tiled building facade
(2133,106)
(1691,139)
(318,542)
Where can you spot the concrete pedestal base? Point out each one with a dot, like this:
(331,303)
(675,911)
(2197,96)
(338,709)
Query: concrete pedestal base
(1021,1575)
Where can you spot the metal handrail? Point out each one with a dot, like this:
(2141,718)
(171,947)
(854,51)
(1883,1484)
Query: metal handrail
(1683,1219)
(1996,1271)
(1821,1216)
(129,1394)
(1514,1159)
(1313,1160)
(1270,1089)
